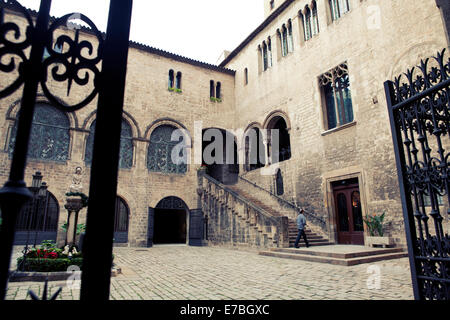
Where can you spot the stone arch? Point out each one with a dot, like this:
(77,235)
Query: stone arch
(274,114)
(219,168)
(159,158)
(167,121)
(412,56)
(280,121)
(168,221)
(125,115)
(13,109)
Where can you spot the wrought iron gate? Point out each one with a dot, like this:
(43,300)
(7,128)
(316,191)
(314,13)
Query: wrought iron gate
(420,123)
(22,55)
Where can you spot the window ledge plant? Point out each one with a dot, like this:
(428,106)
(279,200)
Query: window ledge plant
(214,99)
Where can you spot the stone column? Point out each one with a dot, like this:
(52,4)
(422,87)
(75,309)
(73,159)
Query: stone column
(73,206)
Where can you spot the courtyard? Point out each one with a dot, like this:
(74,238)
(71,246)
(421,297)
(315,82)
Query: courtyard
(180,272)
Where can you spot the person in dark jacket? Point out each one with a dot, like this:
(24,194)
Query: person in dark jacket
(301,223)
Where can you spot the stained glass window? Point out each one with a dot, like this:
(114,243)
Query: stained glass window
(126,146)
(50,136)
(159,157)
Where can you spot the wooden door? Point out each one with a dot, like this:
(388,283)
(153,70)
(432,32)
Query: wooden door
(349,219)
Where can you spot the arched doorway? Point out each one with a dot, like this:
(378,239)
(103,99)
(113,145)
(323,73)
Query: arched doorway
(169,225)
(279,140)
(220,156)
(38,220)
(121,221)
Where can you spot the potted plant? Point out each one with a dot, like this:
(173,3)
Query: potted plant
(375,225)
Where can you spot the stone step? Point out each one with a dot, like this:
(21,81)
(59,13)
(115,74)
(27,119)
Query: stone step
(312,237)
(335,261)
(340,255)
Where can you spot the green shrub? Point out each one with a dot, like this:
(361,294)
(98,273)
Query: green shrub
(48,265)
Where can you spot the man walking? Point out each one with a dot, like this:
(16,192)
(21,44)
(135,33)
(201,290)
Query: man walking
(301,222)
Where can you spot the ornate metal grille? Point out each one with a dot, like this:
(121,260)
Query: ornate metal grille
(159,158)
(126,146)
(419,115)
(50,54)
(50,136)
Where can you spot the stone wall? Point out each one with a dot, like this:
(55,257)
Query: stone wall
(148,104)
(379,40)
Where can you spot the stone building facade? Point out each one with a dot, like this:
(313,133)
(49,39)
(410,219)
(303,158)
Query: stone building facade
(313,69)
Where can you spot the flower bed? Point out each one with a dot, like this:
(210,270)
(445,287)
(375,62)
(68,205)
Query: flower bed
(48,258)
(48,265)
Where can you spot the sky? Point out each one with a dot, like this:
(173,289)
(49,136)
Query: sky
(197,29)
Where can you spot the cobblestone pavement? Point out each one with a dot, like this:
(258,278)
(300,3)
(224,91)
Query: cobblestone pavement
(211,273)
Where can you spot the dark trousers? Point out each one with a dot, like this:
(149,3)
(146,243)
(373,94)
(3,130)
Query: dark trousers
(301,233)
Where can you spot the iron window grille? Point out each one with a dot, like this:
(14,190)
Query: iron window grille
(126,146)
(50,137)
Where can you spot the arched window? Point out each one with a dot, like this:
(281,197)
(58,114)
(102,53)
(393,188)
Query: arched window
(171,78)
(284,41)
(50,137)
(307,24)
(338,8)
(126,146)
(160,155)
(218,90)
(315,19)
(290,39)
(178,82)
(265,56)
(121,221)
(211,89)
(269,52)
(279,186)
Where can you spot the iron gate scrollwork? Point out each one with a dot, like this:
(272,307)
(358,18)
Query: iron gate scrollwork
(39,51)
(420,124)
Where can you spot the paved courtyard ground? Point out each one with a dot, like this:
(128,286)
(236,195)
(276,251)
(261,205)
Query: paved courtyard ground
(177,272)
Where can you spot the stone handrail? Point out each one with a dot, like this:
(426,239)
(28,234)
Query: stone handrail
(275,228)
(286,202)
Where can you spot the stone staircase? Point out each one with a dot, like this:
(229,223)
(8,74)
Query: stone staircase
(279,207)
(343,255)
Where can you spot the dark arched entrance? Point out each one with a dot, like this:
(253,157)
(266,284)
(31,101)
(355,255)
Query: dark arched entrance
(121,221)
(280,143)
(170,221)
(220,156)
(38,220)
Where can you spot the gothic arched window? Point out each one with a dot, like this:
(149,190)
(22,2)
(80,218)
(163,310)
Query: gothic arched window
(338,8)
(211,89)
(218,90)
(171,78)
(161,157)
(178,81)
(265,57)
(307,24)
(126,146)
(315,19)
(50,137)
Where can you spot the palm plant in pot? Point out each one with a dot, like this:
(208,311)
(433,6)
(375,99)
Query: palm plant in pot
(375,225)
